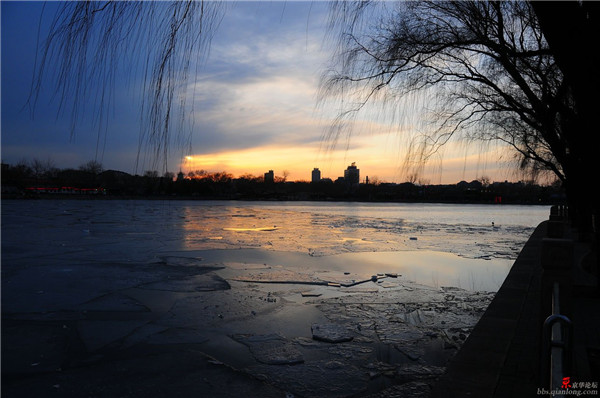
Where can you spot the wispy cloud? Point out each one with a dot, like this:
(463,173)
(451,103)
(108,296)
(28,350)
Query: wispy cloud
(253,107)
(260,82)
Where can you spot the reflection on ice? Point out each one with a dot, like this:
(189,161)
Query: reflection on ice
(253,229)
(324,230)
(424,267)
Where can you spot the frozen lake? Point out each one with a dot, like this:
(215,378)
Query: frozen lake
(469,246)
(106,297)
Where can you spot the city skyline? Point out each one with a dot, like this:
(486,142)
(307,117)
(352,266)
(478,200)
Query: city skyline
(255,108)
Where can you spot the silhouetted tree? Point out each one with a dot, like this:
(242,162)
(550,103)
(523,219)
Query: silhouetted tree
(572,29)
(43,169)
(283,178)
(251,177)
(483,71)
(169,176)
(92,167)
(151,174)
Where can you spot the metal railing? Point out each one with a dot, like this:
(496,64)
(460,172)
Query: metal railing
(557,344)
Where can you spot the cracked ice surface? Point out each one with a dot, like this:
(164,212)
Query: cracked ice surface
(313,299)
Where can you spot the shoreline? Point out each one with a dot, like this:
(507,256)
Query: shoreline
(177,198)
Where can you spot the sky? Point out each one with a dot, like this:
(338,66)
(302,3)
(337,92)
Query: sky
(254,108)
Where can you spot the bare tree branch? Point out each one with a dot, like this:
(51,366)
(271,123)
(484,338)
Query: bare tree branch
(89,42)
(477,64)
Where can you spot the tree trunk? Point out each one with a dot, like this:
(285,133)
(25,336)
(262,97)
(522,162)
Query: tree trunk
(572,30)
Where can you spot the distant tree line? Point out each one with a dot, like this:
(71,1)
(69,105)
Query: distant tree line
(34,179)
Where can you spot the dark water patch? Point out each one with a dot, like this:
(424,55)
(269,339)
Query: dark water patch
(198,283)
(181,261)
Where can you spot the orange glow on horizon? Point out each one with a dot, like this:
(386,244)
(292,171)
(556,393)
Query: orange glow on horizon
(374,159)
(256,161)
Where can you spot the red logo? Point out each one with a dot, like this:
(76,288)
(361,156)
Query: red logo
(566,382)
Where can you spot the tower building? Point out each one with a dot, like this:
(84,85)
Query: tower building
(270,177)
(316,175)
(352,174)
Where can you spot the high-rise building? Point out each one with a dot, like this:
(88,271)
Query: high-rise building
(316,175)
(270,177)
(352,174)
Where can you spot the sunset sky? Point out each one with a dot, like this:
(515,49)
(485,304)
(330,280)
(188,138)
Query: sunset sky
(254,108)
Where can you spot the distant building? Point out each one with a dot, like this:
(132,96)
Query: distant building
(180,176)
(352,174)
(316,175)
(270,177)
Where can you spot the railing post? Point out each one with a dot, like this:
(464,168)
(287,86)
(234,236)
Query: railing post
(557,260)
(557,348)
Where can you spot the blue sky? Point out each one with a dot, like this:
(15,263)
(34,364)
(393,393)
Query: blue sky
(254,106)
(46,133)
